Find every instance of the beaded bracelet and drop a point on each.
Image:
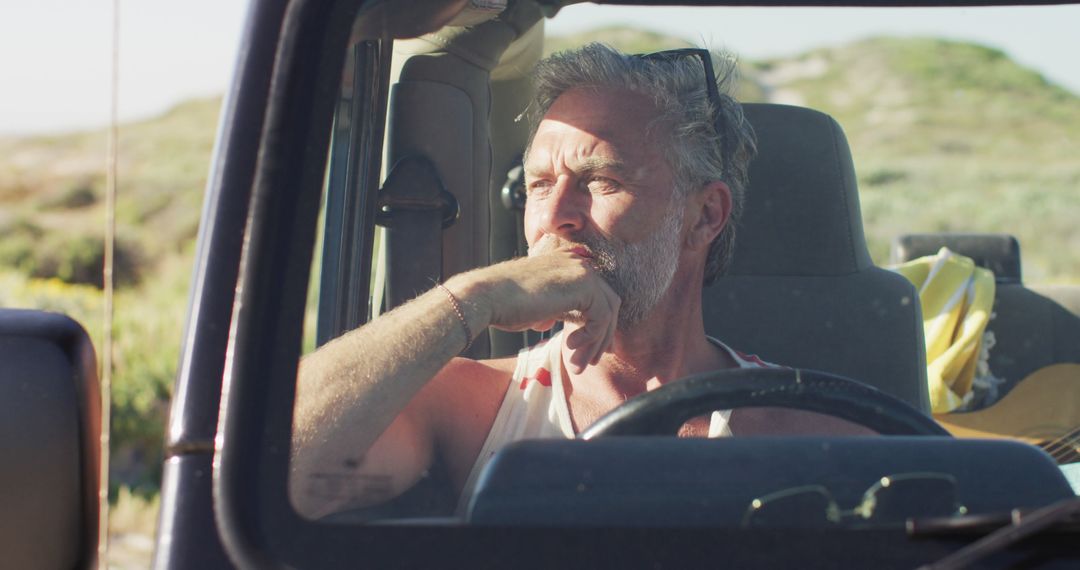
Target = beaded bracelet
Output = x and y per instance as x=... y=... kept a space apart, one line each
x=460 y=315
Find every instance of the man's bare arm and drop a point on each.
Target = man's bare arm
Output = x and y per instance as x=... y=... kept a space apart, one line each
x=359 y=437
x=343 y=406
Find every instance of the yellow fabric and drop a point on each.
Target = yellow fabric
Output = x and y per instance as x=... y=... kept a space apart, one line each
x=957 y=298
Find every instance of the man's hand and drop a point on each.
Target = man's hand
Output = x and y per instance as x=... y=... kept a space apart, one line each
x=534 y=292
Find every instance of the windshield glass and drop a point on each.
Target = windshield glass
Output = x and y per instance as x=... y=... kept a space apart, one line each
x=885 y=247
x=959 y=119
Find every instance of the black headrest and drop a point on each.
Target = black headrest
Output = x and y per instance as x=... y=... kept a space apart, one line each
x=802 y=212
x=999 y=253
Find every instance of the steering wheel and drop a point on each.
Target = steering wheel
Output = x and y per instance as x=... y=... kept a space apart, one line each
x=664 y=410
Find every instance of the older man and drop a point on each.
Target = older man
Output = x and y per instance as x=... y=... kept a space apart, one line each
x=635 y=175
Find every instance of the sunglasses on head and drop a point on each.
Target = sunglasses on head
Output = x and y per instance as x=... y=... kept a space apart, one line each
x=705 y=58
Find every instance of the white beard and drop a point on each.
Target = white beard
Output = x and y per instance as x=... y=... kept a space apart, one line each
x=639 y=272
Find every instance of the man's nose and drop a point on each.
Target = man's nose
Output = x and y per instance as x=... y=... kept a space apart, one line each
x=565 y=210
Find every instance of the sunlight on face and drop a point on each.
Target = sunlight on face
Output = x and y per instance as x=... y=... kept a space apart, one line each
x=639 y=272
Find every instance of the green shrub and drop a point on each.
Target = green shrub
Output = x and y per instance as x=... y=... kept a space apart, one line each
x=884 y=176
x=80 y=195
x=18 y=240
x=71 y=258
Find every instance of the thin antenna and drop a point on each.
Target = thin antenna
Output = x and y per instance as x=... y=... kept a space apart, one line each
x=107 y=283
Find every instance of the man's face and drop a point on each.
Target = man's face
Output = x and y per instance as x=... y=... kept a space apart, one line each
x=596 y=178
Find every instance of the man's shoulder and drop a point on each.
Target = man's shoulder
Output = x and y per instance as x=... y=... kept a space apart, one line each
x=747 y=360
x=461 y=366
x=472 y=379
x=463 y=399
x=498 y=368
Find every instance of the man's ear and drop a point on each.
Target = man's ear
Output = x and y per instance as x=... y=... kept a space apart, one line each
x=711 y=209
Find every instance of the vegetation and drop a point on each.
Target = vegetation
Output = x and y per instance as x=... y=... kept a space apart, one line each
x=947 y=137
x=952 y=137
x=51 y=253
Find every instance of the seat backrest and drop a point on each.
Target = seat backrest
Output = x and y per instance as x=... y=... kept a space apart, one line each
x=1031 y=331
x=802 y=290
x=1033 y=327
x=1067 y=296
x=50 y=422
x=999 y=253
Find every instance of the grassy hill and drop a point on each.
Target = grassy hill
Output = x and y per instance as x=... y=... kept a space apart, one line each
x=946 y=137
x=950 y=136
x=52 y=196
x=52 y=218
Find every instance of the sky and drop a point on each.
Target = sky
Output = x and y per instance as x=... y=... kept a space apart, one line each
x=56 y=54
x=56 y=57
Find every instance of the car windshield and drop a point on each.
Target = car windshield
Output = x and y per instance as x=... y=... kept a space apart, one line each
x=963 y=127
x=460 y=264
x=947 y=110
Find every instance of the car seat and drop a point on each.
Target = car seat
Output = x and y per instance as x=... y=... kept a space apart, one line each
x=802 y=290
x=1033 y=327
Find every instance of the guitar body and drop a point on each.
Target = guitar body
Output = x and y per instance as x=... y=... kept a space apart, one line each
x=1043 y=410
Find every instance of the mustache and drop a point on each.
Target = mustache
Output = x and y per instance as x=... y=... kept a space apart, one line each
x=602 y=251
x=548 y=243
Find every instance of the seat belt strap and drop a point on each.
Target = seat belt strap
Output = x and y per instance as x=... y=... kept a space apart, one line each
x=415 y=207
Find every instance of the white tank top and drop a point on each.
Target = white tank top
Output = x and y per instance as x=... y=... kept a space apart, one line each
x=535 y=406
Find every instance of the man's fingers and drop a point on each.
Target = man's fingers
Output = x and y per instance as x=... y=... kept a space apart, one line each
x=613 y=321
x=609 y=336
x=582 y=344
x=589 y=342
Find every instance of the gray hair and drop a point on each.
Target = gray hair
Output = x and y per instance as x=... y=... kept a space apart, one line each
x=697 y=153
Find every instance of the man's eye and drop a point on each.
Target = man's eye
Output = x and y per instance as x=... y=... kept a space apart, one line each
x=602 y=184
x=537 y=186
